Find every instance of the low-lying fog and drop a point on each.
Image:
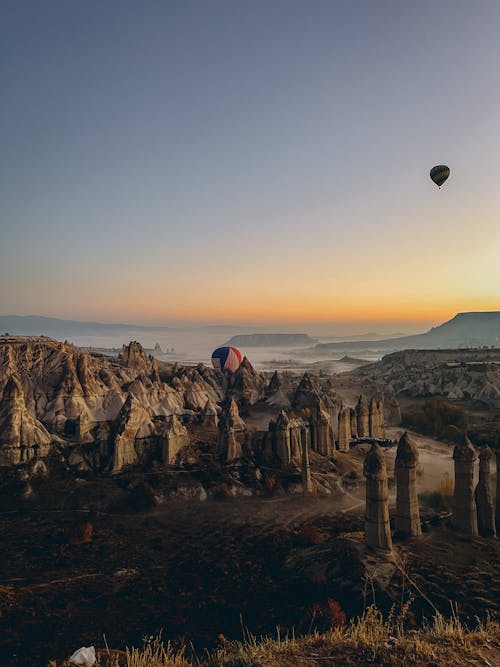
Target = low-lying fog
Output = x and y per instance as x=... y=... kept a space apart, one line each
x=191 y=346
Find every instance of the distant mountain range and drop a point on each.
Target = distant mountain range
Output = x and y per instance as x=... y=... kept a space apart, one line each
x=35 y=325
x=271 y=340
x=463 y=330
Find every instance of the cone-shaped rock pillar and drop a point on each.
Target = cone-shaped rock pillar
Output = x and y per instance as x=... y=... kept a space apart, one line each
x=497 y=513
x=407 y=514
x=465 y=515
x=354 y=423
x=363 y=415
x=344 y=428
x=377 y=527
x=231 y=432
x=484 y=494
x=307 y=484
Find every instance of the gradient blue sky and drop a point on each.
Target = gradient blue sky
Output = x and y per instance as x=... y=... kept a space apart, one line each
x=249 y=161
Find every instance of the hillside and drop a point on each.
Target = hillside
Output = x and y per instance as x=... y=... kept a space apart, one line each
x=35 y=325
x=463 y=330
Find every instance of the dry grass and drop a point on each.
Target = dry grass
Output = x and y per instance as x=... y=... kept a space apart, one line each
x=370 y=638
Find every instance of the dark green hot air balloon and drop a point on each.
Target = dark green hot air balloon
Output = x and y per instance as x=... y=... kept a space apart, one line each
x=439 y=174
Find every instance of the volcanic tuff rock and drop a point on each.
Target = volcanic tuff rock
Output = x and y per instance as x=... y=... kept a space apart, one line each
x=133 y=423
x=231 y=432
x=246 y=385
x=455 y=374
x=175 y=437
x=377 y=527
x=22 y=436
x=464 y=515
x=407 y=512
x=484 y=494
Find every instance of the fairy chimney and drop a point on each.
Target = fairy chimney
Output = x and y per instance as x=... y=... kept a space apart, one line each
x=363 y=416
x=344 y=428
x=465 y=515
x=377 y=527
x=484 y=494
x=407 y=514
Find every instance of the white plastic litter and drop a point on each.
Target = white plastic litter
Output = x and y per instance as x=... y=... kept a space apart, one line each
x=84 y=657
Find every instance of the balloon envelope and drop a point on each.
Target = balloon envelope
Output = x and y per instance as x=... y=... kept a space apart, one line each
x=439 y=174
x=226 y=358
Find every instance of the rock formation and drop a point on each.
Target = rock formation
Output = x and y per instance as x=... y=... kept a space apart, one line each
x=381 y=419
x=464 y=515
x=175 y=436
x=306 y=394
x=484 y=494
x=377 y=527
x=373 y=419
x=407 y=513
x=209 y=416
x=344 y=429
x=22 y=436
x=282 y=438
x=321 y=429
x=497 y=508
x=285 y=438
x=133 y=423
x=231 y=432
x=246 y=385
x=307 y=484
x=363 y=415
x=354 y=423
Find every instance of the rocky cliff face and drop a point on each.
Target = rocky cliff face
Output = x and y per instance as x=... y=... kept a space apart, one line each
x=22 y=436
x=74 y=393
x=454 y=374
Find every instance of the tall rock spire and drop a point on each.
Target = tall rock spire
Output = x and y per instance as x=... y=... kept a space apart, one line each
x=407 y=514
x=377 y=527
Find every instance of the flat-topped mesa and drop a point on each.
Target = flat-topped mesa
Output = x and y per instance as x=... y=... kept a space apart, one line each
x=175 y=436
x=22 y=436
x=231 y=432
x=377 y=526
x=344 y=429
x=407 y=512
x=363 y=415
x=484 y=494
x=465 y=514
x=321 y=430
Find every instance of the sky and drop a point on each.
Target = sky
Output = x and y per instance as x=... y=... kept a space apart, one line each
x=264 y=161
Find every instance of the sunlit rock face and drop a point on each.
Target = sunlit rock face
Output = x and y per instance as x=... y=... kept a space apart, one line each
x=231 y=433
x=133 y=424
x=175 y=437
x=22 y=436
